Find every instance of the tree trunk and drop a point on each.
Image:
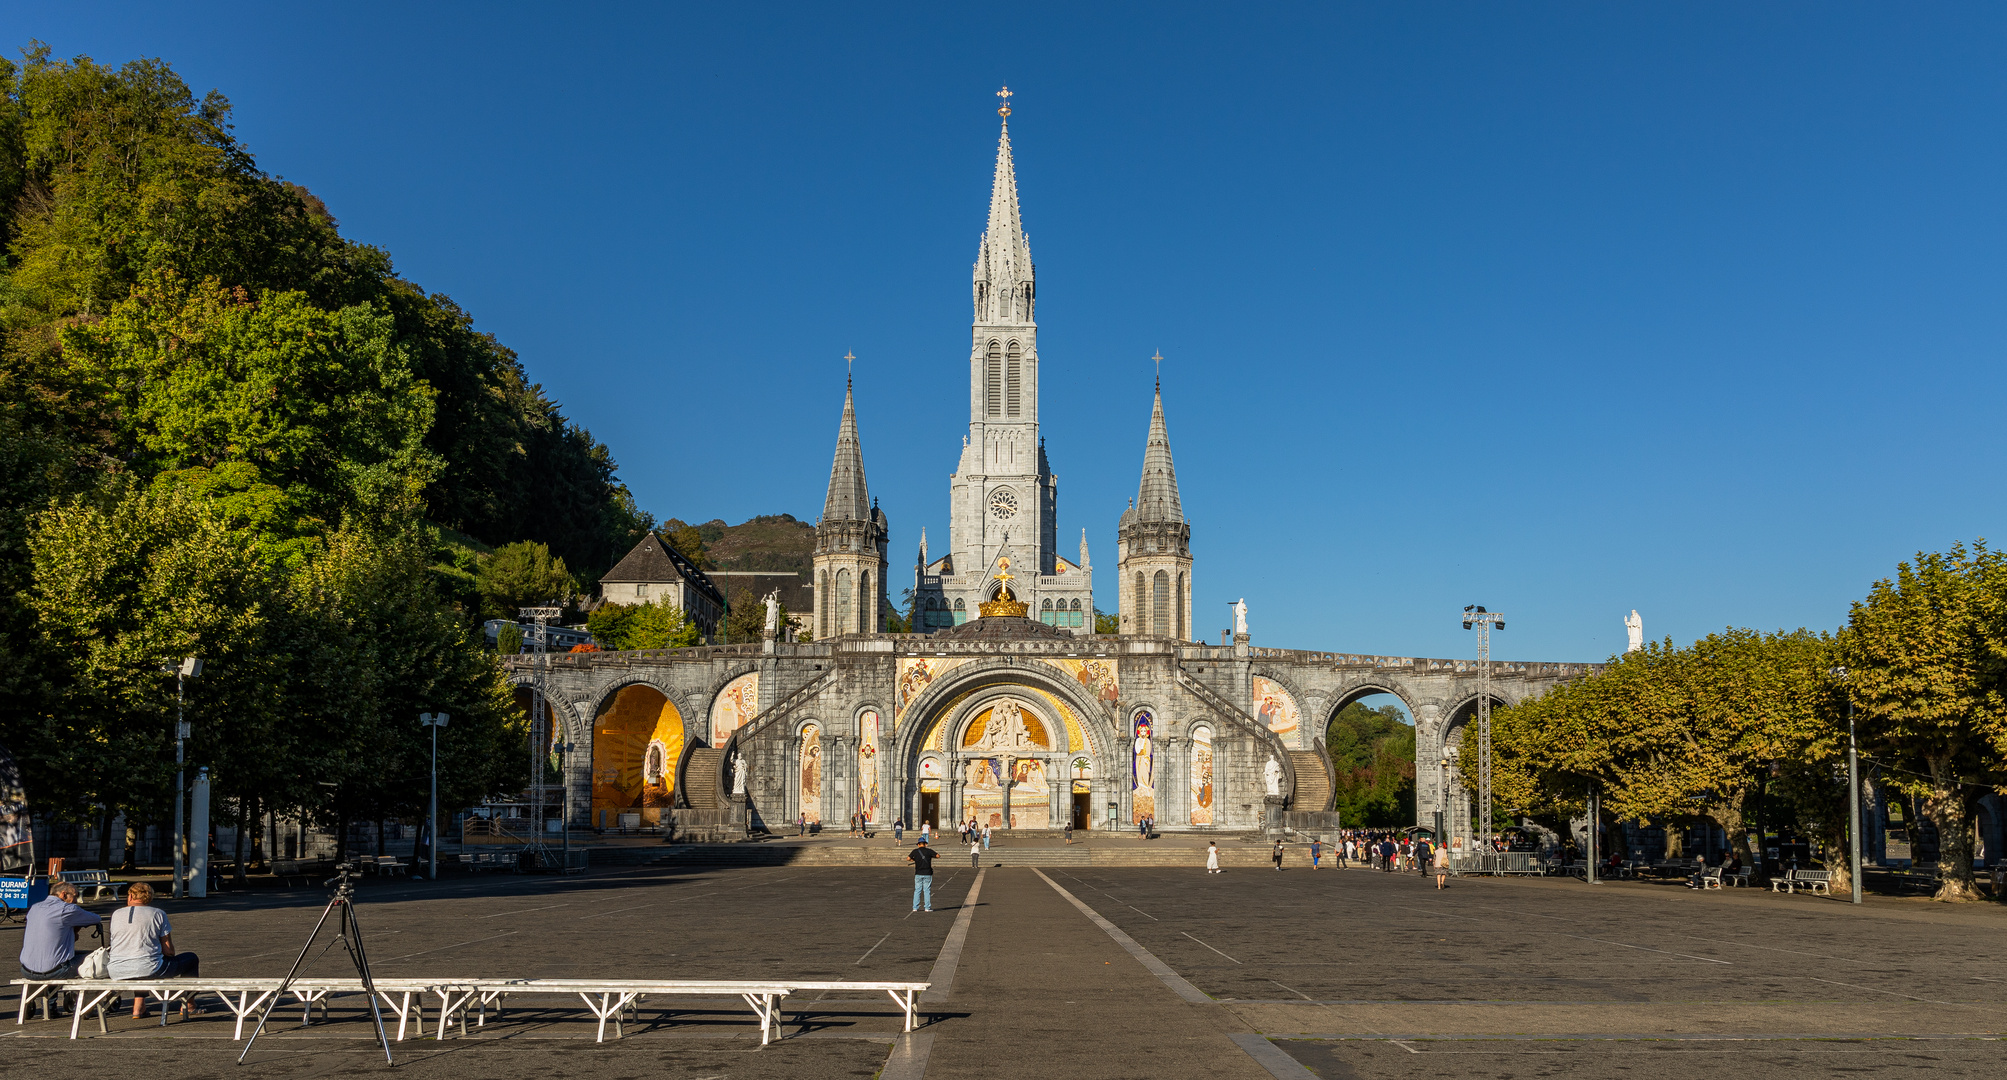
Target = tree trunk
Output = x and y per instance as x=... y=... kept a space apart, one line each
x=243 y=817
x=1948 y=807
x=1675 y=838
x=104 y=840
x=1734 y=825
x=379 y=836
x=1839 y=857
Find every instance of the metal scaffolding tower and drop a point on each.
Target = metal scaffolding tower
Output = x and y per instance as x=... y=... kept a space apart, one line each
x=1474 y=616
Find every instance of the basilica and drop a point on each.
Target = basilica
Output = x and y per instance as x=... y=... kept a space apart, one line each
x=1003 y=704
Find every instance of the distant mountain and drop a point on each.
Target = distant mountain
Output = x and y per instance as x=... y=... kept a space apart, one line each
x=767 y=542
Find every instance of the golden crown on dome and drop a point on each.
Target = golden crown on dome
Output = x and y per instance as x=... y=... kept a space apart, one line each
x=1006 y=604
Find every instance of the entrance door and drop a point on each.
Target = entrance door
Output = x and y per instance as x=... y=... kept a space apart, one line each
x=1083 y=810
x=930 y=808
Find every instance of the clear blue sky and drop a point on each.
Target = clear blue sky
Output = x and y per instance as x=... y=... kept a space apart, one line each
x=1563 y=309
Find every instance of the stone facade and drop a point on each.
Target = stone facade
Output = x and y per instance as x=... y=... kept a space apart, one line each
x=1086 y=694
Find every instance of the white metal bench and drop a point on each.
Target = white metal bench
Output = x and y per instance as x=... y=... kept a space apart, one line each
x=1710 y=878
x=1813 y=881
x=616 y=999
x=98 y=881
x=606 y=999
x=245 y=998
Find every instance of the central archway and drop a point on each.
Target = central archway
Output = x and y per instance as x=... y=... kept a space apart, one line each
x=1006 y=742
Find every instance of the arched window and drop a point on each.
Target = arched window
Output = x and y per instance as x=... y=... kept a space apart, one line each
x=961 y=612
x=1137 y=601
x=827 y=596
x=1160 y=604
x=1045 y=612
x=866 y=611
x=993 y=387
x=1178 y=606
x=1076 y=615
x=1011 y=370
x=843 y=624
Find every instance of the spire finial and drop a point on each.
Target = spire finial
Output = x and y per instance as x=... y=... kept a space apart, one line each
x=1004 y=109
x=1159 y=358
x=848 y=361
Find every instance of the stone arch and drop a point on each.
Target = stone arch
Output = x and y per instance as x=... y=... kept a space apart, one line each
x=636 y=739
x=1292 y=736
x=954 y=699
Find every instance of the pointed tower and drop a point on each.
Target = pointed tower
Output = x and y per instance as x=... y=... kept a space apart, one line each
x=1154 y=544
x=1003 y=490
x=850 y=542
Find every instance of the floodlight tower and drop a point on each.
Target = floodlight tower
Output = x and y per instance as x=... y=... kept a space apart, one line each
x=1475 y=616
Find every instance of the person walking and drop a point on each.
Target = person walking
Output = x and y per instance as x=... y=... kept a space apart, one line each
x=1341 y=852
x=986 y=838
x=1442 y=867
x=801 y=825
x=1316 y=850
x=922 y=858
x=926 y=830
x=1277 y=856
x=1212 y=858
x=1387 y=856
x=975 y=852
x=898 y=829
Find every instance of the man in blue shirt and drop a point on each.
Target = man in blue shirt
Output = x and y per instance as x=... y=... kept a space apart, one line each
x=48 y=946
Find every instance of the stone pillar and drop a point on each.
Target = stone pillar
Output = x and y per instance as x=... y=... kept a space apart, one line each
x=1056 y=775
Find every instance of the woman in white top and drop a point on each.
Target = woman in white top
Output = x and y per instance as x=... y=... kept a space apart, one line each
x=1212 y=858
x=142 y=948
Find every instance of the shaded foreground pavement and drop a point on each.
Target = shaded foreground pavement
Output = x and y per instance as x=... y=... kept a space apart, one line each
x=1118 y=972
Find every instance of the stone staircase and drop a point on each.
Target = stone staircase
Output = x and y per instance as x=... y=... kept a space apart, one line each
x=1233 y=853
x=700 y=778
x=1313 y=780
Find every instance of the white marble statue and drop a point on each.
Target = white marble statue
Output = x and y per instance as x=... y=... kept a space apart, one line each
x=1271 y=774
x=1636 y=628
x=773 y=612
x=738 y=773
x=1240 y=617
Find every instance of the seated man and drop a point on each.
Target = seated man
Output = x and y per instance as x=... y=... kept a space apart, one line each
x=142 y=949
x=48 y=945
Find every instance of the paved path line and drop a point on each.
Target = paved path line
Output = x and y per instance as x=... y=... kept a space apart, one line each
x=1271 y=1057
x=1157 y=967
x=908 y=1060
x=943 y=975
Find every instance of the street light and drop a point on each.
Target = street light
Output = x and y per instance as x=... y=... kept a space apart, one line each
x=1484 y=621
x=1853 y=789
x=189 y=668
x=435 y=721
x=564 y=750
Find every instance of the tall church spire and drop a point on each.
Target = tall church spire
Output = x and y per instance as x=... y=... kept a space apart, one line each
x=848 y=498
x=1157 y=495
x=1003 y=272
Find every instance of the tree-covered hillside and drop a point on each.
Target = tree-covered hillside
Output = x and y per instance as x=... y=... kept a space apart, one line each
x=228 y=432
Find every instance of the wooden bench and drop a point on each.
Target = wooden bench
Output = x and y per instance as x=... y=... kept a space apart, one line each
x=1814 y=881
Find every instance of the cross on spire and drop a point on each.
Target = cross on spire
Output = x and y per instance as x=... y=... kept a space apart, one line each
x=1159 y=359
x=848 y=360
x=1004 y=110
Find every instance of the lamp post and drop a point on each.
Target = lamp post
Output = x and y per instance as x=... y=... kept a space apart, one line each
x=1853 y=791
x=189 y=668
x=435 y=721
x=564 y=813
x=1442 y=798
x=1475 y=616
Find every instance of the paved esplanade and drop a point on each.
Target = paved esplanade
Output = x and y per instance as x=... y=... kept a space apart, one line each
x=1132 y=972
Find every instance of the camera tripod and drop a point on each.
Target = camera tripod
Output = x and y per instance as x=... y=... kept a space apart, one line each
x=347 y=931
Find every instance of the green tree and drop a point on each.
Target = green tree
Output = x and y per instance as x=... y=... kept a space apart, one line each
x=689 y=543
x=1105 y=623
x=1927 y=659
x=520 y=575
x=1373 y=757
x=125 y=582
x=657 y=625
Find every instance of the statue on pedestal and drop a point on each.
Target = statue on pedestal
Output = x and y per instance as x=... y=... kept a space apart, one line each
x=738 y=773
x=773 y=613
x=1636 y=628
x=1271 y=774
x=1240 y=617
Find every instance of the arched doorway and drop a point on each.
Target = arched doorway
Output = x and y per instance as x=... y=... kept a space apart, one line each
x=637 y=737
x=1370 y=737
x=1459 y=766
